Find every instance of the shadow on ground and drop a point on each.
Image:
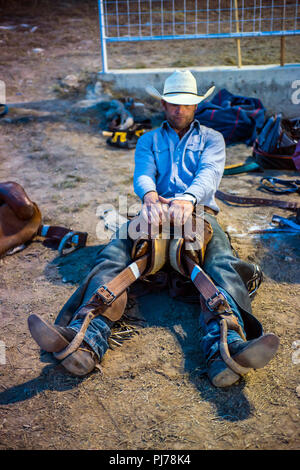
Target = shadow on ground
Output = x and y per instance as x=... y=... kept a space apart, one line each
x=157 y=309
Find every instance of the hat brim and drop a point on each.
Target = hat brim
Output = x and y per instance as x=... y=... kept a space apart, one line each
x=179 y=98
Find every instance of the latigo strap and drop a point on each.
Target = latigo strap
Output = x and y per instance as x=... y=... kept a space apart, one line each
x=256 y=201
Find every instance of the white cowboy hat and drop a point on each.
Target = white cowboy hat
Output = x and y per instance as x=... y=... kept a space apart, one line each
x=180 y=88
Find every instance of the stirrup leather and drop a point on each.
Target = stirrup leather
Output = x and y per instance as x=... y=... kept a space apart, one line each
x=214 y=306
x=103 y=298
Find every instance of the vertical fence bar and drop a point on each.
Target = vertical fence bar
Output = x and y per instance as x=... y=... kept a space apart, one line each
x=271 y=27
x=117 y=18
x=238 y=40
x=173 y=17
x=254 y=15
x=260 y=6
x=243 y=19
x=102 y=36
x=282 y=38
x=140 y=18
x=162 y=16
x=207 y=17
x=128 y=17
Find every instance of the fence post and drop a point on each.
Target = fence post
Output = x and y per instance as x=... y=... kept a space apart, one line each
x=282 y=38
x=102 y=36
x=238 y=41
x=282 y=51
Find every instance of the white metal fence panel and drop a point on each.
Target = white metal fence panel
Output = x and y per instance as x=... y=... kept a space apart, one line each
x=146 y=20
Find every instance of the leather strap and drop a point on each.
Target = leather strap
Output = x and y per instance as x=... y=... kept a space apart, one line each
x=218 y=308
x=63 y=235
x=103 y=298
x=289 y=205
x=214 y=299
x=109 y=292
x=293 y=206
x=257 y=201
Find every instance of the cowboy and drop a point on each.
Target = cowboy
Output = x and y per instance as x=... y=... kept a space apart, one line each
x=178 y=167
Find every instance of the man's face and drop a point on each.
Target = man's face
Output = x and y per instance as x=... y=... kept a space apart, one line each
x=179 y=116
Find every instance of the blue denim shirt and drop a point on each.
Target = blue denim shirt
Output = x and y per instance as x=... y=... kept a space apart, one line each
x=170 y=166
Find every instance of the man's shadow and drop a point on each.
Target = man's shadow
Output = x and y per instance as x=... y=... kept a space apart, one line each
x=155 y=309
x=181 y=319
x=50 y=378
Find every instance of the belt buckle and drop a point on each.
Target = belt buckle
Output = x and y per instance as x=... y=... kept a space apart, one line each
x=214 y=301
x=106 y=295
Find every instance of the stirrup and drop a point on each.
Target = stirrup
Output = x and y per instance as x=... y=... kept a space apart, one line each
x=225 y=353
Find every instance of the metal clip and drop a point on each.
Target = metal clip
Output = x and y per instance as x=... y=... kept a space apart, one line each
x=214 y=301
x=107 y=296
x=70 y=240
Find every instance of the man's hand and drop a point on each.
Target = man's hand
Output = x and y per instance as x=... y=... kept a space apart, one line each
x=152 y=210
x=179 y=210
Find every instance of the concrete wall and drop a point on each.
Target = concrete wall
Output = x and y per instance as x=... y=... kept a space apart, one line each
x=277 y=87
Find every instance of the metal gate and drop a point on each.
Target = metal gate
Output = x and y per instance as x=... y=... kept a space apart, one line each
x=153 y=20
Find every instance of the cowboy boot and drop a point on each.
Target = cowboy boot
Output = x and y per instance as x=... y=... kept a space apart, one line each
x=253 y=354
x=54 y=338
x=237 y=357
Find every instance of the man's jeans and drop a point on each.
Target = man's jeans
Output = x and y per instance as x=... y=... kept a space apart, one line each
x=220 y=263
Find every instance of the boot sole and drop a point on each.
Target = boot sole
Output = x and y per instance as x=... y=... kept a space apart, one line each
x=45 y=335
x=259 y=352
x=254 y=356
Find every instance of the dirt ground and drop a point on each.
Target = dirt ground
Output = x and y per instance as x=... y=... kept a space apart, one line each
x=152 y=392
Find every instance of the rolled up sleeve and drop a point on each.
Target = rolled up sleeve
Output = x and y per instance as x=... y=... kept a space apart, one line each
x=210 y=168
x=144 y=178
